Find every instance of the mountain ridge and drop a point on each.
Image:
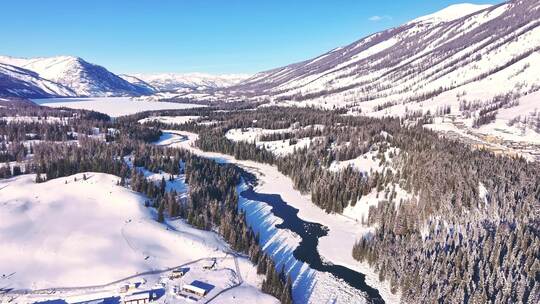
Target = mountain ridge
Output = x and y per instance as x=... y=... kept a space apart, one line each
x=75 y=77
x=81 y=77
x=418 y=66
x=16 y=81
x=190 y=81
x=452 y=12
x=421 y=65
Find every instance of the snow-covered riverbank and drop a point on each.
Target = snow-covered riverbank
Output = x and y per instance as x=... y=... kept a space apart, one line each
x=336 y=247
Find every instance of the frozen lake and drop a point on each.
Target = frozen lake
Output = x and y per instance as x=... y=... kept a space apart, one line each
x=113 y=106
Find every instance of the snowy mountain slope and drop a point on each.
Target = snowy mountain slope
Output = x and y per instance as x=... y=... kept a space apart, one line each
x=138 y=82
x=190 y=81
x=452 y=12
x=97 y=229
x=84 y=78
x=474 y=52
x=15 y=81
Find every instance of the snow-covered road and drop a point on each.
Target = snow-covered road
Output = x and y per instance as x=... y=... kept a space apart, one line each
x=52 y=290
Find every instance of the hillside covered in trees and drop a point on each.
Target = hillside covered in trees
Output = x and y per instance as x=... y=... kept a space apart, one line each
x=60 y=143
x=449 y=223
x=468 y=230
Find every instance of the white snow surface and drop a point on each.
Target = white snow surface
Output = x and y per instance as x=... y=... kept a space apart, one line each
x=30 y=119
x=86 y=232
x=113 y=106
x=67 y=233
x=365 y=163
x=284 y=147
x=527 y=104
x=47 y=86
x=452 y=12
x=251 y=135
x=482 y=192
x=277 y=147
x=79 y=76
x=47 y=67
x=360 y=211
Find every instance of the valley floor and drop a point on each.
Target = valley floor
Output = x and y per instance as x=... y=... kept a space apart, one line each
x=336 y=247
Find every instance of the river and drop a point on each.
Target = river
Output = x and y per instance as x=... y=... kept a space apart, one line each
x=309 y=232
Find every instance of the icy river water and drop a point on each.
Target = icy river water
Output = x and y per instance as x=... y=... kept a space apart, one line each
x=310 y=233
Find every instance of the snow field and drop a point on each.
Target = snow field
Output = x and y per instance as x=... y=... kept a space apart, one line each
x=67 y=233
x=60 y=232
x=112 y=106
x=284 y=147
x=277 y=147
x=193 y=81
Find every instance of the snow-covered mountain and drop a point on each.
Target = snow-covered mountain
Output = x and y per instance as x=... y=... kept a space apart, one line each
x=450 y=13
x=462 y=54
x=19 y=82
x=68 y=76
x=81 y=77
x=139 y=83
x=190 y=81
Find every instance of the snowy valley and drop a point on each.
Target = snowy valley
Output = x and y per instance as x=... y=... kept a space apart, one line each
x=400 y=168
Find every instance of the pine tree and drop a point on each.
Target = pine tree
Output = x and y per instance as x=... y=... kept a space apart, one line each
x=161 y=215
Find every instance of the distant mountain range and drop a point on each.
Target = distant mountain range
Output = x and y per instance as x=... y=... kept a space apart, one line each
x=464 y=54
x=67 y=76
x=191 y=81
x=64 y=76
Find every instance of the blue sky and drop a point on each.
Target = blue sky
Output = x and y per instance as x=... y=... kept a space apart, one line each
x=215 y=36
